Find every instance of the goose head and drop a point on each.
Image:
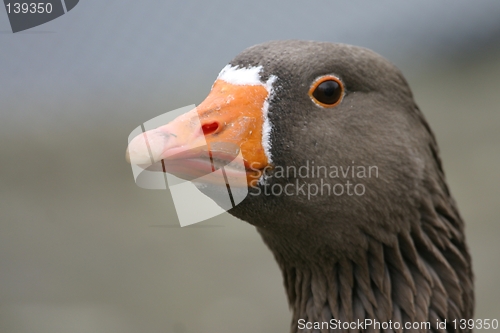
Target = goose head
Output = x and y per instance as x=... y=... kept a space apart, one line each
x=345 y=182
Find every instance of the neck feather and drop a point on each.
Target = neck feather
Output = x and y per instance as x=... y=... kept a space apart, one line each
x=421 y=274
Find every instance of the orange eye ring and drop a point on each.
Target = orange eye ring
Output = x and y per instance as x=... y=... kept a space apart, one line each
x=327 y=91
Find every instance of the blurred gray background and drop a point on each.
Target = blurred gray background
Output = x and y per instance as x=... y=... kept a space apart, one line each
x=83 y=249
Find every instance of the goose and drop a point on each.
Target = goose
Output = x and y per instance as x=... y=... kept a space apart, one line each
x=367 y=231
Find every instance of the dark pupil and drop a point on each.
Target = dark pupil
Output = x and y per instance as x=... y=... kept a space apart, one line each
x=328 y=92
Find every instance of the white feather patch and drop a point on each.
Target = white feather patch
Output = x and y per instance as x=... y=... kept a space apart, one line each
x=267 y=125
x=240 y=76
x=251 y=76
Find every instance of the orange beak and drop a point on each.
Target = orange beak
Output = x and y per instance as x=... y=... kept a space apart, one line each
x=211 y=136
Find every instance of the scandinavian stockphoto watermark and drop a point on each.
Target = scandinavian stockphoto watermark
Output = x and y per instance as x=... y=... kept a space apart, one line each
x=311 y=180
x=24 y=15
x=203 y=186
x=375 y=325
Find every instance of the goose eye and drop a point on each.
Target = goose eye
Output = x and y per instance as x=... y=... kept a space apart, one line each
x=327 y=91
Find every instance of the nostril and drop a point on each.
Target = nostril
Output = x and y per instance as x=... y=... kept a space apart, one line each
x=210 y=128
